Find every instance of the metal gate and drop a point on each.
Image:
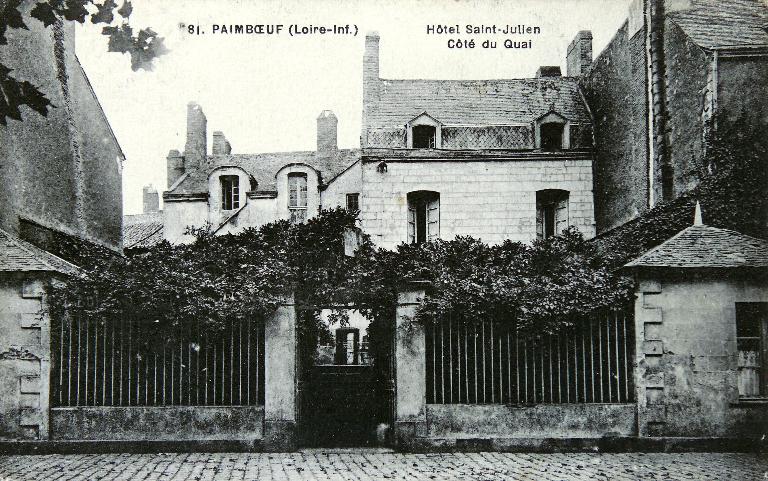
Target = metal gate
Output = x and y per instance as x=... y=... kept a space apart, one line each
x=349 y=401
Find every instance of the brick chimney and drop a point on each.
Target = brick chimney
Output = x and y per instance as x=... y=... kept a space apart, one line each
x=196 y=148
x=150 y=198
x=548 y=71
x=220 y=145
x=175 y=166
x=579 y=54
x=326 y=133
x=371 y=84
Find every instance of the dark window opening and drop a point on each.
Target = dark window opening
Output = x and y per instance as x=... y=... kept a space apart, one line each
x=552 y=136
x=752 y=347
x=424 y=136
x=423 y=216
x=347 y=346
x=297 y=197
x=551 y=212
x=353 y=202
x=230 y=192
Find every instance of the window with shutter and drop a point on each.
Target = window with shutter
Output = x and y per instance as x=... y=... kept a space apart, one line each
x=752 y=347
x=230 y=192
x=551 y=212
x=423 y=216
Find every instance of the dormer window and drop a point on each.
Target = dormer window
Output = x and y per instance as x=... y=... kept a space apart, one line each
x=552 y=136
x=230 y=192
x=552 y=132
x=424 y=136
x=423 y=132
x=297 y=197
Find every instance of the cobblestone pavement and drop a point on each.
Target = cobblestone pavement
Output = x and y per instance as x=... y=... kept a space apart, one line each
x=322 y=465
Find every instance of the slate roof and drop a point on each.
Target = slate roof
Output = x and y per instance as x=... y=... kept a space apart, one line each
x=476 y=102
x=721 y=23
x=702 y=246
x=17 y=255
x=142 y=230
x=264 y=167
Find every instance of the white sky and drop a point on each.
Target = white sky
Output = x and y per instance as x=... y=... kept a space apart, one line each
x=265 y=92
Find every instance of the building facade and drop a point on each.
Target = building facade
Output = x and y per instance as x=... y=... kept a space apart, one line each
x=654 y=90
x=494 y=159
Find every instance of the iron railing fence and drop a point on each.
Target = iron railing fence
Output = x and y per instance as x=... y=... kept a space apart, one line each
x=118 y=363
x=489 y=362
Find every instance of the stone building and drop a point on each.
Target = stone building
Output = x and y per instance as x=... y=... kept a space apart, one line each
x=142 y=231
x=495 y=159
x=230 y=191
x=60 y=183
x=654 y=89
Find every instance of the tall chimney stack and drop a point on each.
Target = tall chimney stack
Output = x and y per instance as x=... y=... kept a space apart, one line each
x=327 y=133
x=371 y=82
x=579 y=54
x=220 y=145
x=196 y=148
x=175 y=166
x=150 y=198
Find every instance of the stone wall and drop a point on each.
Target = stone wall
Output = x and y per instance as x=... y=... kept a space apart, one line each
x=24 y=357
x=686 y=374
x=743 y=87
x=177 y=216
x=615 y=89
x=491 y=200
x=62 y=171
x=687 y=73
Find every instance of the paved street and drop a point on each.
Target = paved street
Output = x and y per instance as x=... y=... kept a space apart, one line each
x=370 y=465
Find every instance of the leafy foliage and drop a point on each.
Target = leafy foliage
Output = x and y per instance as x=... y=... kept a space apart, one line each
x=219 y=278
x=734 y=180
x=142 y=47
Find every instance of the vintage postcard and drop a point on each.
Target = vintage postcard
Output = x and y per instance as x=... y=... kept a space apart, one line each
x=340 y=239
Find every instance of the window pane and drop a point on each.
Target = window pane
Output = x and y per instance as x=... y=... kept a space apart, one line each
x=353 y=202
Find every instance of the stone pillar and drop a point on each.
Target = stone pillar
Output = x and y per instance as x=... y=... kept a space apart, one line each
x=280 y=378
x=649 y=370
x=410 y=369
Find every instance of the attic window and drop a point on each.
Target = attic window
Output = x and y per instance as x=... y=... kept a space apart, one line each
x=424 y=136
x=297 y=197
x=230 y=192
x=552 y=136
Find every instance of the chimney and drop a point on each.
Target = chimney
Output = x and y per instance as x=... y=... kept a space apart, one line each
x=220 y=145
x=579 y=54
x=548 y=71
x=326 y=132
x=175 y=166
x=196 y=148
x=370 y=75
x=150 y=198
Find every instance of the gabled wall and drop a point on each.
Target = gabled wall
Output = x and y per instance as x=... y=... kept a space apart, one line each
x=64 y=170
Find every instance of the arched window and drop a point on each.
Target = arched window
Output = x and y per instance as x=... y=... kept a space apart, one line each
x=297 y=196
x=423 y=216
x=551 y=212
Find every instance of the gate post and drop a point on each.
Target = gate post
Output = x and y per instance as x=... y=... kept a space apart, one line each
x=280 y=378
x=410 y=368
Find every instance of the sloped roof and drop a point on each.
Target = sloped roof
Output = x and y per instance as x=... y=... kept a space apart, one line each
x=721 y=23
x=17 y=255
x=476 y=102
x=264 y=167
x=142 y=230
x=702 y=246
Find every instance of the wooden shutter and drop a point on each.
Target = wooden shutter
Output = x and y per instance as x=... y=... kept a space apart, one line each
x=539 y=220
x=411 y=224
x=433 y=219
x=561 y=215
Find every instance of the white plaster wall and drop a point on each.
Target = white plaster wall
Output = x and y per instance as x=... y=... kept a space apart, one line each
x=178 y=215
x=349 y=182
x=215 y=213
x=491 y=200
